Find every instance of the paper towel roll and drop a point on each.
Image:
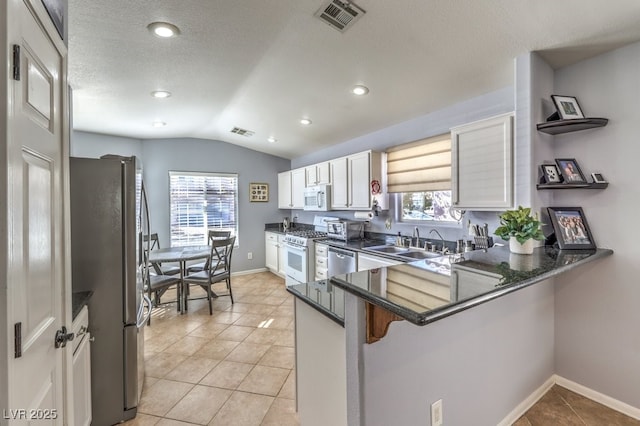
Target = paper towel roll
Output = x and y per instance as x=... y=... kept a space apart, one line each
x=363 y=215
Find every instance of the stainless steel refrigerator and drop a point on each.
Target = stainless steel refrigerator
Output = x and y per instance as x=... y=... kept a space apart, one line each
x=108 y=221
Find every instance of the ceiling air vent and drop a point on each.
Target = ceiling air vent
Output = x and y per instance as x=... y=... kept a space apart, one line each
x=242 y=132
x=341 y=15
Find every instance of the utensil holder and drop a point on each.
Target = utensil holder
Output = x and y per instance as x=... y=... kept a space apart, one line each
x=483 y=242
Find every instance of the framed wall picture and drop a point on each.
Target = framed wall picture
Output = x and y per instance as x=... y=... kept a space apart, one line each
x=571 y=228
x=550 y=173
x=567 y=107
x=570 y=170
x=258 y=192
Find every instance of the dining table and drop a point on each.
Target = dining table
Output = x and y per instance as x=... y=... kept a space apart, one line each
x=180 y=255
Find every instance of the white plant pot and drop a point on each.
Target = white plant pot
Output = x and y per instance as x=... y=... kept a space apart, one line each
x=516 y=247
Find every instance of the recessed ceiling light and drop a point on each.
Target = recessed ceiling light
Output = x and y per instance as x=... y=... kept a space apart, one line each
x=305 y=121
x=272 y=139
x=163 y=29
x=160 y=94
x=360 y=90
x=159 y=123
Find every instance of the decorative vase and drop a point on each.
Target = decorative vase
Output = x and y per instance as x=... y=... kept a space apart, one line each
x=516 y=247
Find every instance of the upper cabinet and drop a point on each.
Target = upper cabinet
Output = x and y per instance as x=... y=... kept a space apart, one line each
x=351 y=180
x=482 y=164
x=291 y=186
x=318 y=174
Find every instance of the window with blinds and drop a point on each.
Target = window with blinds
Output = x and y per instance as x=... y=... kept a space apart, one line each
x=200 y=202
x=420 y=173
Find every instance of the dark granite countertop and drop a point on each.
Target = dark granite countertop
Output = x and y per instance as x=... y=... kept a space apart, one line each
x=322 y=296
x=428 y=290
x=78 y=300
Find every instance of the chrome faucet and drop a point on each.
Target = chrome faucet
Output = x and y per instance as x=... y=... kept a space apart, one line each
x=416 y=236
x=444 y=247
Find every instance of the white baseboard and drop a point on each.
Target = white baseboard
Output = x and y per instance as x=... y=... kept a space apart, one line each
x=522 y=408
x=605 y=400
x=249 y=271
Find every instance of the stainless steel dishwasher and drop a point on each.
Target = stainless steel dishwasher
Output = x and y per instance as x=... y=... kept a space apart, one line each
x=341 y=261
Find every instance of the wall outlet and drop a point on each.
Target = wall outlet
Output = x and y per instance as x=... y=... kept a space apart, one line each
x=436 y=413
x=250 y=255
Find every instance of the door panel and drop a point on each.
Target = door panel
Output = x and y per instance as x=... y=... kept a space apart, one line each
x=35 y=259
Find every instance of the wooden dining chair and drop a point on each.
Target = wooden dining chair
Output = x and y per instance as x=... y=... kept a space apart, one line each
x=158 y=268
x=218 y=270
x=212 y=235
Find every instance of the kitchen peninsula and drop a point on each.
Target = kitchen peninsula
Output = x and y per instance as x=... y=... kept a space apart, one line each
x=464 y=351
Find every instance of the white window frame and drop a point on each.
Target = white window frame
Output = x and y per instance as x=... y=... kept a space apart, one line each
x=190 y=235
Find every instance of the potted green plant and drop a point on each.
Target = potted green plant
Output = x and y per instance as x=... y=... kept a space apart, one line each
x=520 y=229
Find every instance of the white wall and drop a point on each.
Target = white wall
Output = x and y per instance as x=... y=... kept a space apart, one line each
x=163 y=155
x=597 y=312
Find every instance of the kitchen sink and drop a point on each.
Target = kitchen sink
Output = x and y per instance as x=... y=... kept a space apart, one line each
x=388 y=249
x=420 y=254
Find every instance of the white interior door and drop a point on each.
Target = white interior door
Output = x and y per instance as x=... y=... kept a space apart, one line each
x=36 y=251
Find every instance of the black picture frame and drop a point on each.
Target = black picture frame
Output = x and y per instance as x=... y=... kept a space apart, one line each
x=570 y=170
x=571 y=228
x=567 y=107
x=550 y=173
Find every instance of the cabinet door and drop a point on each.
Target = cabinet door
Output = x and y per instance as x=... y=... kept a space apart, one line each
x=466 y=283
x=366 y=262
x=359 y=180
x=482 y=164
x=311 y=175
x=282 y=256
x=297 y=188
x=322 y=173
x=271 y=251
x=284 y=190
x=82 y=383
x=339 y=192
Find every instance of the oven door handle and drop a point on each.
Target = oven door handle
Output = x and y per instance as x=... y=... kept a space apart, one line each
x=292 y=246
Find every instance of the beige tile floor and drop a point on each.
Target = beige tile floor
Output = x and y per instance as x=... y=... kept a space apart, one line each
x=236 y=367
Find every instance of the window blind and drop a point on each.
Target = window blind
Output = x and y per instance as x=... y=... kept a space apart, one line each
x=424 y=165
x=200 y=202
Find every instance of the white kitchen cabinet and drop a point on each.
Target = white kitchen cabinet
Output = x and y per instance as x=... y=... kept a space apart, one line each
x=467 y=283
x=291 y=186
x=351 y=178
x=369 y=261
x=81 y=369
x=275 y=252
x=321 y=261
x=317 y=174
x=482 y=164
x=271 y=251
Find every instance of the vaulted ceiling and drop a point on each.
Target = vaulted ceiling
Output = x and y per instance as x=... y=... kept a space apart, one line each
x=263 y=65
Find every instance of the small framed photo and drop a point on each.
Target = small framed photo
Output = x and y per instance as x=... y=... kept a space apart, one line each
x=258 y=192
x=571 y=228
x=567 y=107
x=570 y=170
x=598 y=178
x=550 y=173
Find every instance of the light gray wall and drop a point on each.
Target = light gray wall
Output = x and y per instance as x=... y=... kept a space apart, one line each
x=597 y=314
x=481 y=362
x=163 y=155
x=436 y=123
x=95 y=145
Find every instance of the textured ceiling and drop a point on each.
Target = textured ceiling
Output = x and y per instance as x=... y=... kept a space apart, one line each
x=263 y=65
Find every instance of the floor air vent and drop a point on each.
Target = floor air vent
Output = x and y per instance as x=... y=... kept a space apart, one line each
x=341 y=15
x=242 y=132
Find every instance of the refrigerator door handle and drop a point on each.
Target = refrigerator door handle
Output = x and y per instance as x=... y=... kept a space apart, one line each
x=143 y=316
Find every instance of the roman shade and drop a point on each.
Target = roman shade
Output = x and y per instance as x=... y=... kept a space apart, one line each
x=424 y=165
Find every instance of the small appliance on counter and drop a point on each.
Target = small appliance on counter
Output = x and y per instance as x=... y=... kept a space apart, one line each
x=345 y=230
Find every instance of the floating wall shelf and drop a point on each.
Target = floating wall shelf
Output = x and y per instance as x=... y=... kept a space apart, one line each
x=557 y=127
x=572 y=185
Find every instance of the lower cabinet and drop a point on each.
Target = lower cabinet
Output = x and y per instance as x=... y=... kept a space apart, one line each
x=368 y=261
x=81 y=369
x=321 y=368
x=275 y=253
x=467 y=283
x=321 y=261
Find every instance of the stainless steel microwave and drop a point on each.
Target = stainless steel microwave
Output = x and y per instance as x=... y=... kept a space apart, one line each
x=345 y=230
x=317 y=198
